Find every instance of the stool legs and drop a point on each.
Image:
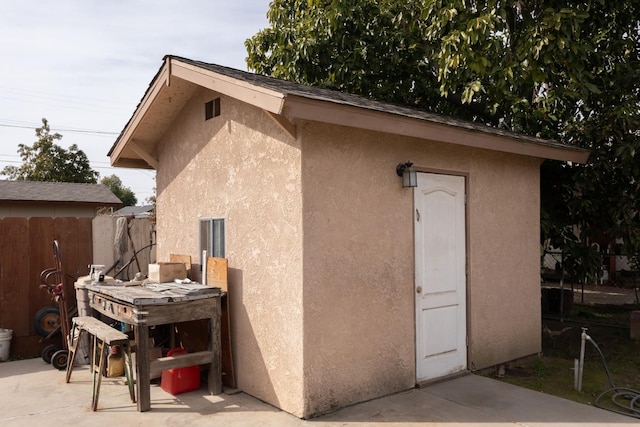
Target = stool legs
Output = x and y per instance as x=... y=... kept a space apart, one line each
x=100 y=351
x=128 y=371
x=73 y=346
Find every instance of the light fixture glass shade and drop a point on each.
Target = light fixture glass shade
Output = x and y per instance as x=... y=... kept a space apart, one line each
x=409 y=177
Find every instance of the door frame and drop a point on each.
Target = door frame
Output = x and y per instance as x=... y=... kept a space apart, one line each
x=469 y=339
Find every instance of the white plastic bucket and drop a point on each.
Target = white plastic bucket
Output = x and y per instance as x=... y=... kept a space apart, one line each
x=5 y=343
x=82 y=296
x=83 y=352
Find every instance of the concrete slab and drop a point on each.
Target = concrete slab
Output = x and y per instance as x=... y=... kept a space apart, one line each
x=32 y=393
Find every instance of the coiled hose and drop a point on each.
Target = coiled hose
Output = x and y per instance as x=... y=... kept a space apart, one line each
x=625 y=398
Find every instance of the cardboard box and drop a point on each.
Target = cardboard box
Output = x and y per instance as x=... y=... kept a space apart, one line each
x=164 y=272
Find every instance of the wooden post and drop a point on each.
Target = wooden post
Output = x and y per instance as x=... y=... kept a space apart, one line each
x=215 y=371
x=143 y=379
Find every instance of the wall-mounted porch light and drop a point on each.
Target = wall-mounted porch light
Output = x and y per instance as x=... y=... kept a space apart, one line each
x=408 y=174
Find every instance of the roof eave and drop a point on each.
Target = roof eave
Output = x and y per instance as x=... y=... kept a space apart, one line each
x=161 y=79
x=266 y=99
x=285 y=108
x=346 y=115
x=64 y=202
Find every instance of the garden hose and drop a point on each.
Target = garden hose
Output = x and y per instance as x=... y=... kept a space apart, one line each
x=625 y=398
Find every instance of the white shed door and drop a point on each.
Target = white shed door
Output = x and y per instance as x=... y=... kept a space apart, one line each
x=440 y=287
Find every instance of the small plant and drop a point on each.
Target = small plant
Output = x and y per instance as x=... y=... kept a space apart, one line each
x=539 y=368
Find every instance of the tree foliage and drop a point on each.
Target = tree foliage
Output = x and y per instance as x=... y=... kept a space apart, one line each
x=47 y=161
x=552 y=69
x=125 y=194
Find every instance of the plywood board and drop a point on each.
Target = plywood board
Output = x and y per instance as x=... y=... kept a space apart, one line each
x=217 y=269
x=217 y=273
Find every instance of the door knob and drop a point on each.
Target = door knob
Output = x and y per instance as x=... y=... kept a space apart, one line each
x=419 y=289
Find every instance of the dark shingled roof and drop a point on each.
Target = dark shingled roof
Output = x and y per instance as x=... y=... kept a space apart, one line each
x=334 y=96
x=57 y=192
x=288 y=88
x=134 y=211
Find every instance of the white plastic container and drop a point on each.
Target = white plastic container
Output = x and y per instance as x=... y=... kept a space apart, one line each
x=5 y=343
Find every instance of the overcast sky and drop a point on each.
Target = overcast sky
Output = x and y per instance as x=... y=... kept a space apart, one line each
x=85 y=64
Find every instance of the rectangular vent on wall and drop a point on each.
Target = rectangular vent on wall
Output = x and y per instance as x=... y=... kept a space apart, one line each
x=212 y=109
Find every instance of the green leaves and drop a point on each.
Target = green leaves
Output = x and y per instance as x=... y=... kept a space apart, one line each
x=125 y=194
x=47 y=161
x=564 y=71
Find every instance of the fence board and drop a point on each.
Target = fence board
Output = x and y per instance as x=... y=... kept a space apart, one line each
x=40 y=257
x=26 y=248
x=14 y=275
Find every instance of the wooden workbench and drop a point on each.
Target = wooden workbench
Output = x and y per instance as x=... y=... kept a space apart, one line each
x=159 y=304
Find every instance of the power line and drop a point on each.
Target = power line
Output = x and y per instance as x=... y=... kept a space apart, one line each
x=64 y=101
x=60 y=129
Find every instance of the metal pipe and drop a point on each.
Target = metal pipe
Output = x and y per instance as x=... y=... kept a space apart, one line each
x=583 y=339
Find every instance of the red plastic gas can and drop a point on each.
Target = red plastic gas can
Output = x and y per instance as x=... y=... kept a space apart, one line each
x=180 y=380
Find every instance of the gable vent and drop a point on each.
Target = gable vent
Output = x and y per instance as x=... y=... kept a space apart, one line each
x=212 y=109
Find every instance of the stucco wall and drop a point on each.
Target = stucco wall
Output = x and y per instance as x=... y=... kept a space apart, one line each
x=319 y=238
x=358 y=257
x=229 y=167
x=358 y=252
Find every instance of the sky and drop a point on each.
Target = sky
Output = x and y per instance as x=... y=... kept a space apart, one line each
x=84 y=65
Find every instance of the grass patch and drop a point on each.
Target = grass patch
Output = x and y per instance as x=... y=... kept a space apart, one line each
x=552 y=372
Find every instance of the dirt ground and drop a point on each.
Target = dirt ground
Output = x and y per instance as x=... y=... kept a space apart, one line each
x=552 y=371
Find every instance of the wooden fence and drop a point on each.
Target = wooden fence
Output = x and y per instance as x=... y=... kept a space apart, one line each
x=26 y=248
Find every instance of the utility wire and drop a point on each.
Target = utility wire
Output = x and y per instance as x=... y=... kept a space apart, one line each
x=69 y=130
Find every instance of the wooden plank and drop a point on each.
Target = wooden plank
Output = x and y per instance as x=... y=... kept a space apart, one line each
x=143 y=378
x=101 y=330
x=153 y=314
x=180 y=361
x=65 y=231
x=215 y=343
x=156 y=294
x=14 y=275
x=217 y=275
x=84 y=243
x=40 y=258
x=84 y=257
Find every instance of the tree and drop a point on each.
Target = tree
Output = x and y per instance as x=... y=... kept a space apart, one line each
x=47 y=161
x=126 y=196
x=564 y=71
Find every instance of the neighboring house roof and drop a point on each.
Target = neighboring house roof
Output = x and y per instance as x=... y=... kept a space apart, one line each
x=57 y=192
x=136 y=211
x=284 y=102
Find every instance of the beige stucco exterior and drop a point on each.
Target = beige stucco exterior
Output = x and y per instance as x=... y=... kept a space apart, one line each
x=359 y=271
x=319 y=238
x=232 y=168
x=319 y=232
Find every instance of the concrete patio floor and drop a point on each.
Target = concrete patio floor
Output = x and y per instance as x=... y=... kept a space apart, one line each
x=33 y=393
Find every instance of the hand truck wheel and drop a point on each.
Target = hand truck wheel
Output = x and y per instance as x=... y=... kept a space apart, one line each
x=59 y=360
x=47 y=321
x=48 y=352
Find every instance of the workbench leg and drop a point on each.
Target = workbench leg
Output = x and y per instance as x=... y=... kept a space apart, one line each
x=143 y=380
x=215 y=370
